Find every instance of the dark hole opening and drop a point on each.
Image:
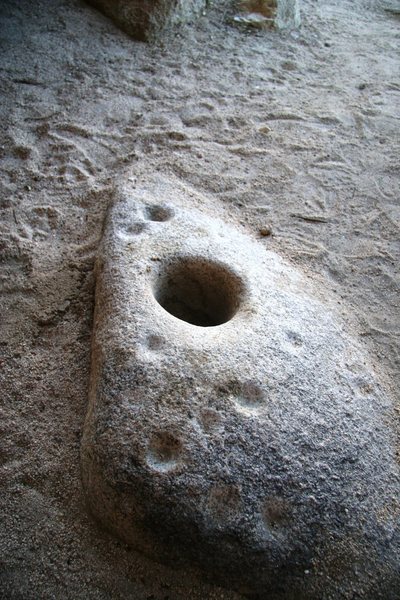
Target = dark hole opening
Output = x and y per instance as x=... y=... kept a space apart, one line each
x=199 y=291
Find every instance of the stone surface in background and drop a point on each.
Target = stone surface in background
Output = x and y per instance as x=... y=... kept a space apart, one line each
x=145 y=19
x=233 y=424
x=282 y=14
x=288 y=14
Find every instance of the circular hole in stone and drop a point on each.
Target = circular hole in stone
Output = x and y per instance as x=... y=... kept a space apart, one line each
x=251 y=395
x=164 y=451
x=159 y=212
x=199 y=291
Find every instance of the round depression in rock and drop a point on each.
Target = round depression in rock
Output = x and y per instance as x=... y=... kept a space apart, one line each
x=199 y=291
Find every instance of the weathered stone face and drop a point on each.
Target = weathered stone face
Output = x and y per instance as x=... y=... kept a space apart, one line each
x=282 y=14
x=288 y=14
x=233 y=424
x=144 y=19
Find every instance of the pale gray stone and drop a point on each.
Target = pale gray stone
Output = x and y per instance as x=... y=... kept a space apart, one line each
x=233 y=423
x=288 y=14
x=282 y=14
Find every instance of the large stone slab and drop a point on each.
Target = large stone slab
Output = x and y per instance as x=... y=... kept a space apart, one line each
x=145 y=19
x=233 y=424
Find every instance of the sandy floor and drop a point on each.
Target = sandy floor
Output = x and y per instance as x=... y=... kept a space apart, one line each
x=298 y=133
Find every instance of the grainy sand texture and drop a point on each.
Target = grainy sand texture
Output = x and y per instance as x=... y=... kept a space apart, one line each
x=294 y=135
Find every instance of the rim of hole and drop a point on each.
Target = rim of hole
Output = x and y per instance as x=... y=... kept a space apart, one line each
x=199 y=291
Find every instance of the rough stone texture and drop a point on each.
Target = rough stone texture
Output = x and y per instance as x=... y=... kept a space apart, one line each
x=283 y=14
x=144 y=19
x=246 y=434
x=288 y=14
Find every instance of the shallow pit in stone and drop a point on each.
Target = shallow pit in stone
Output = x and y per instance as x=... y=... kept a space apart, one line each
x=164 y=452
x=159 y=212
x=251 y=395
x=199 y=291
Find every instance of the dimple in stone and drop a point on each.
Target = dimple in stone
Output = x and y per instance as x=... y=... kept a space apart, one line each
x=136 y=228
x=155 y=342
x=251 y=396
x=294 y=338
x=210 y=420
x=159 y=212
x=224 y=502
x=164 y=452
x=276 y=514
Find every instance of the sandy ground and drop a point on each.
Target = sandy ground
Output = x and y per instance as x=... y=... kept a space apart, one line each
x=295 y=132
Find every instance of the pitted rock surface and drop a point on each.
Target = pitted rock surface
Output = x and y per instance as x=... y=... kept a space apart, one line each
x=233 y=423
